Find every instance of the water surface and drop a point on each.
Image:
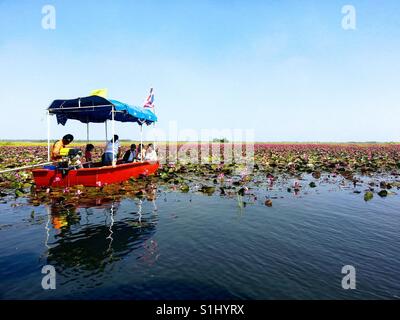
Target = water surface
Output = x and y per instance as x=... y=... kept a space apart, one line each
x=195 y=246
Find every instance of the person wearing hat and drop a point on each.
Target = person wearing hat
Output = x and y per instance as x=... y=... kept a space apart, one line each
x=60 y=144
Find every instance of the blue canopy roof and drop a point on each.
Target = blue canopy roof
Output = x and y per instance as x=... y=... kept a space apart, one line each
x=97 y=109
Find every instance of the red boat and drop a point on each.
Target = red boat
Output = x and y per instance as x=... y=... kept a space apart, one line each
x=95 y=109
x=93 y=177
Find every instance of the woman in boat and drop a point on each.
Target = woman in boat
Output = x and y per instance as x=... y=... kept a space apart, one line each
x=130 y=155
x=141 y=154
x=111 y=153
x=151 y=154
x=60 y=144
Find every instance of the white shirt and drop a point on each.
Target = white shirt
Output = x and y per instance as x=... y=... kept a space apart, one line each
x=151 y=156
x=109 y=147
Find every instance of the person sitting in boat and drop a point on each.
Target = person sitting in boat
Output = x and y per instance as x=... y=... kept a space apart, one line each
x=88 y=152
x=130 y=155
x=60 y=144
x=141 y=153
x=151 y=154
x=111 y=153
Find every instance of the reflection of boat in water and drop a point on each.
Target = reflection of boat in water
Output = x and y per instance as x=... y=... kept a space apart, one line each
x=95 y=109
x=90 y=235
x=94 y=246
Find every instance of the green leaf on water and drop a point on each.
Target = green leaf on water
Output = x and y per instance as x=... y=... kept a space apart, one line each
x=19 y=193
x=184 y=188
x=164 y=176
x=207 y=189
x=383 y=193
x=368 y=196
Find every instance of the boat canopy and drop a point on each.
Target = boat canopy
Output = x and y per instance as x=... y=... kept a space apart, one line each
x=97 y=109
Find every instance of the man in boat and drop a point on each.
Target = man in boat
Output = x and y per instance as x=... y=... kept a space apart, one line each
x=151 y=154
x=111 y=153
x=130 y=155
x=60 y=144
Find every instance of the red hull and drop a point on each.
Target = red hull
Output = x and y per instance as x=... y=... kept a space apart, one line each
x=94 y=177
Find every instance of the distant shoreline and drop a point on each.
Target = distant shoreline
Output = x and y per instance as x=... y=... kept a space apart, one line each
x=27 y=142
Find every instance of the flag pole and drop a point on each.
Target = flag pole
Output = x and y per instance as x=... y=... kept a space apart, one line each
x=154 y=129
x=113 y=134
x=141 y=142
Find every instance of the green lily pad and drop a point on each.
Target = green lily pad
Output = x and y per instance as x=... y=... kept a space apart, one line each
x=184 y=188
x=368 y=196
x=19 y=193
x=383 y=193
x=207 y=189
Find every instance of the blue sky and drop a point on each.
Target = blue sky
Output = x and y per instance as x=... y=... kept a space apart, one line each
x=286 y=69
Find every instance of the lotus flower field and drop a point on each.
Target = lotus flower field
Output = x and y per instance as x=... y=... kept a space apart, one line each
x=368 y=169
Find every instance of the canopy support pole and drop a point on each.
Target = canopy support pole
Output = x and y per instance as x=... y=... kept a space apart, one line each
x=141 y=142
x=48 y=135
x=105 y=124
x=113 y=133
x=87 y=132
x=154 y=132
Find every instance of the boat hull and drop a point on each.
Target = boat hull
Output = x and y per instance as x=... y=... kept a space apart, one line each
x=93 y=177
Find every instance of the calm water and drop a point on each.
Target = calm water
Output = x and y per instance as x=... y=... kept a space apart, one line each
x=194 y=246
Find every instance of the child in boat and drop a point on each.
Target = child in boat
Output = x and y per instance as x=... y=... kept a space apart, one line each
x=88 y=152
x=151 y=154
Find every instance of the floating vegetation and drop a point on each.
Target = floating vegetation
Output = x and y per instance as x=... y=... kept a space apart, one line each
x=368 y=196
x=274 y=166
x=383 y=193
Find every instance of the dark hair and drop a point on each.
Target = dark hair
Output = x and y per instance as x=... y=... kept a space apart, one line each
x=150 y=145
x=116 y=138
x=141 y=146
x=89 y=147
x=133 y=146
x=68 y=137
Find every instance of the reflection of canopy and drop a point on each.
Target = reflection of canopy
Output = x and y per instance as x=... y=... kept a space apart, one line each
x=97 y=109
x=88 y=249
